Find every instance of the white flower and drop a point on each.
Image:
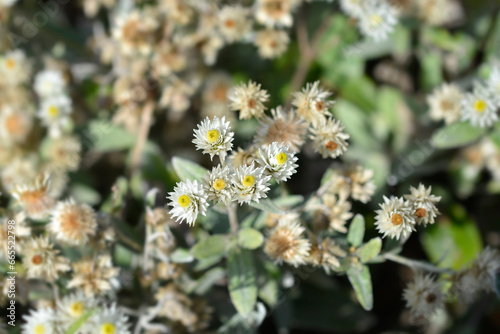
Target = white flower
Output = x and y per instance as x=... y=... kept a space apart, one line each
x=424 y=296
x=109 y=320
x=49 y=83
x=71 y=307
x=55 y=114
x=248 y=99
x=312 y=103
x=214 y=137
x=275 y=12
x=250 y=183
x=234 y=23
x=479 y=107
x=15 y=125
x=352 y=8
x=271 y=43
x=73 y=223
x=14 y=68
x=278 y=160
x=423 y=204
x=188 y=200
x=135 y=32
x=328 y=138
x=7 y=3
x=395 y=219
x=39 y=321
x=362 y=186
x=217 y=185
x=445 y=103
x=41 y=259
x=377 y=20
x=438 y=13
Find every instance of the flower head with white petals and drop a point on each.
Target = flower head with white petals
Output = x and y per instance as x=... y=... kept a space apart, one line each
x=217 y=185
x=71 y=307
x=49 y=83
x=214 y=137
x=424 y=296
x=39 y=321
x=480 y=107
x=110 y=320
x=378 y=19
x=278 y=160
x=329 y=140
x=395 y=219
x=187 y=201
x=250 y=183
x=445 y=104
x=312 y=103
x=55 y=113
x=249 y=99
x=423 y=204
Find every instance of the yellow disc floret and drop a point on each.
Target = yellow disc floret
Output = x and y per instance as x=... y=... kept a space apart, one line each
x=219 y=184
x=77 y=309
x=108 y=328
x=39 y=329
x=376 y=20
x=281 y=158
x=10 y=64
x=53 y=111
x=213 y=135
x=480 y=106
x=184 y=201
x=248 y=181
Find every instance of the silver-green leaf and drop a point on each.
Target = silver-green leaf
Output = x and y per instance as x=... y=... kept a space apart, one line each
x=369 y=250
x=242 y=281
x=361 y=281
x=456 y=135
x=212 y=246
x=356 y=231
x=186 y=169
x=250 y=238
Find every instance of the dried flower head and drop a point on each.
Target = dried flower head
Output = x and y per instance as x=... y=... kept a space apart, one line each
x=271 y=43
x=312 y=103
x=35 y=197
x=15 y=125
x=135 y=32
x=424 y=296
x=64 y=152
x=94 y=277
x=395 y=219
x=249 y=99
x=73 y=223
x=14 y=68
x=362 y=186
x=328 y=137
x=423 y=204
x=41 y=259
x=234 y=23
x=445 y=103
x=275 y=12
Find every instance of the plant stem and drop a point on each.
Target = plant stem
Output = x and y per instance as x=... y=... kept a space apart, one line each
x=233 y=219
x=416 y=264
x=146 y=118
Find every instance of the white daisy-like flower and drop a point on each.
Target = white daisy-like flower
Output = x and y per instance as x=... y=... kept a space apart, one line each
x=275 y=12
x=214 y=137
x=378 y=19
x=287 y=243
x=15 y=125
x=249 y=99
x=423 y=204
x=55 y=114
x=217 y=185
x=41 y=321
x=445 y=103
x=362 y=185
x=352 y=8
x=424 y=296
x=41 y=259
x=109 y=320
x=395 y=219
x=234 y=23
x=250 y=183
x=35 y=197
x=71 y=307
x=135 y=32
x=187 y=201
x=49 y=83
x=278 y=161
x=271 y=43
x=328 y=138
x=73 y=223
x=479 y=107
x=14 y=68
x=312 y=103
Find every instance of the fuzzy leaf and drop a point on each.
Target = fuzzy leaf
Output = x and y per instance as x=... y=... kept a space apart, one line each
x=242 y=282
x=361 y=281
x=181 y=255
x=250 y=238
x=101 y=136
x=456 y=135
x=212 y=246
x=369 y=250
x=186 y=169
x=356 y=231
x=267 y=205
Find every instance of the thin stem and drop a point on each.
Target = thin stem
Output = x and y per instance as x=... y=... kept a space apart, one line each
x=416 y=264
x=146 y=117
x=233 y=219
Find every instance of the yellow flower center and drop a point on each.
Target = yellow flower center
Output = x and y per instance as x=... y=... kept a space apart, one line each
x=281 y=158
x=213 y=135
x=248 y=181
x=219 y=184
x=184 y=201
x=77 y=309
x=39 y=329
x=480 y=106
x=108 y=328
x=396 y=219
x=53 y=111
x=376 y=20
x=10 y=63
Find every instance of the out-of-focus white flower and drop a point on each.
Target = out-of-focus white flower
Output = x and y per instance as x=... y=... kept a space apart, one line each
x=55 y=114
x=217 y=185
x=49 y=83
x=445 y=103
x=278 y=161
x=94 y=276
x=72 y=306
x=312 y=103
x=378 y=19
x=438 y=13
x=15 y=125
x=352 y=8
x=39 y=321
x=362 y=186
x=42 y=261
x=275 y=12
x=187 y=201
x=250 y=183
x=329 y=140
x=249 y=99
x=14 y=68
x=424 y=296
x=423 y=204
x=73 y=223
x=214 y=137
x=271 y=43
x=110 y=320
x=135 y=32
x=480 y=107
x=395 y=219
x=35 y=197
x=234 y=23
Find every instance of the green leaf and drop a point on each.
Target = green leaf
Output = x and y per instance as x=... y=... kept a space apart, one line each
x=205 y=282
x=102 y=136
x=267 y=205
x=431 y=72
x=80 y=321
x=250 y=238
x=361 y=281
x=186 y=169
x=456 y=135
x=181 y=255
x=214 y=245
x=242 y=282
x=369 y=250
x=289 y=201
x=356 y=124
x=356 y=231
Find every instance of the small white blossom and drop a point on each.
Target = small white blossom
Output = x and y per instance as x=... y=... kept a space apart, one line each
x=73 y=223
x=249 y=100
x=49 y=83
x=14 y=68
x=329 y=140
x=445 y=103
x=278 y=160
x=395 y=219
x=71 y=307
x=424 y=296
x=187 y=201
x=479 y=107
x=271 y=43
x=110 y=319
x=275 y=12
x=214 y=137
x=55 y=113
x=217 y=185
x=234 y=23
x=423 y=204
x=250 y=183
x=312 y=103
x=39 y=321
x=378 y=19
